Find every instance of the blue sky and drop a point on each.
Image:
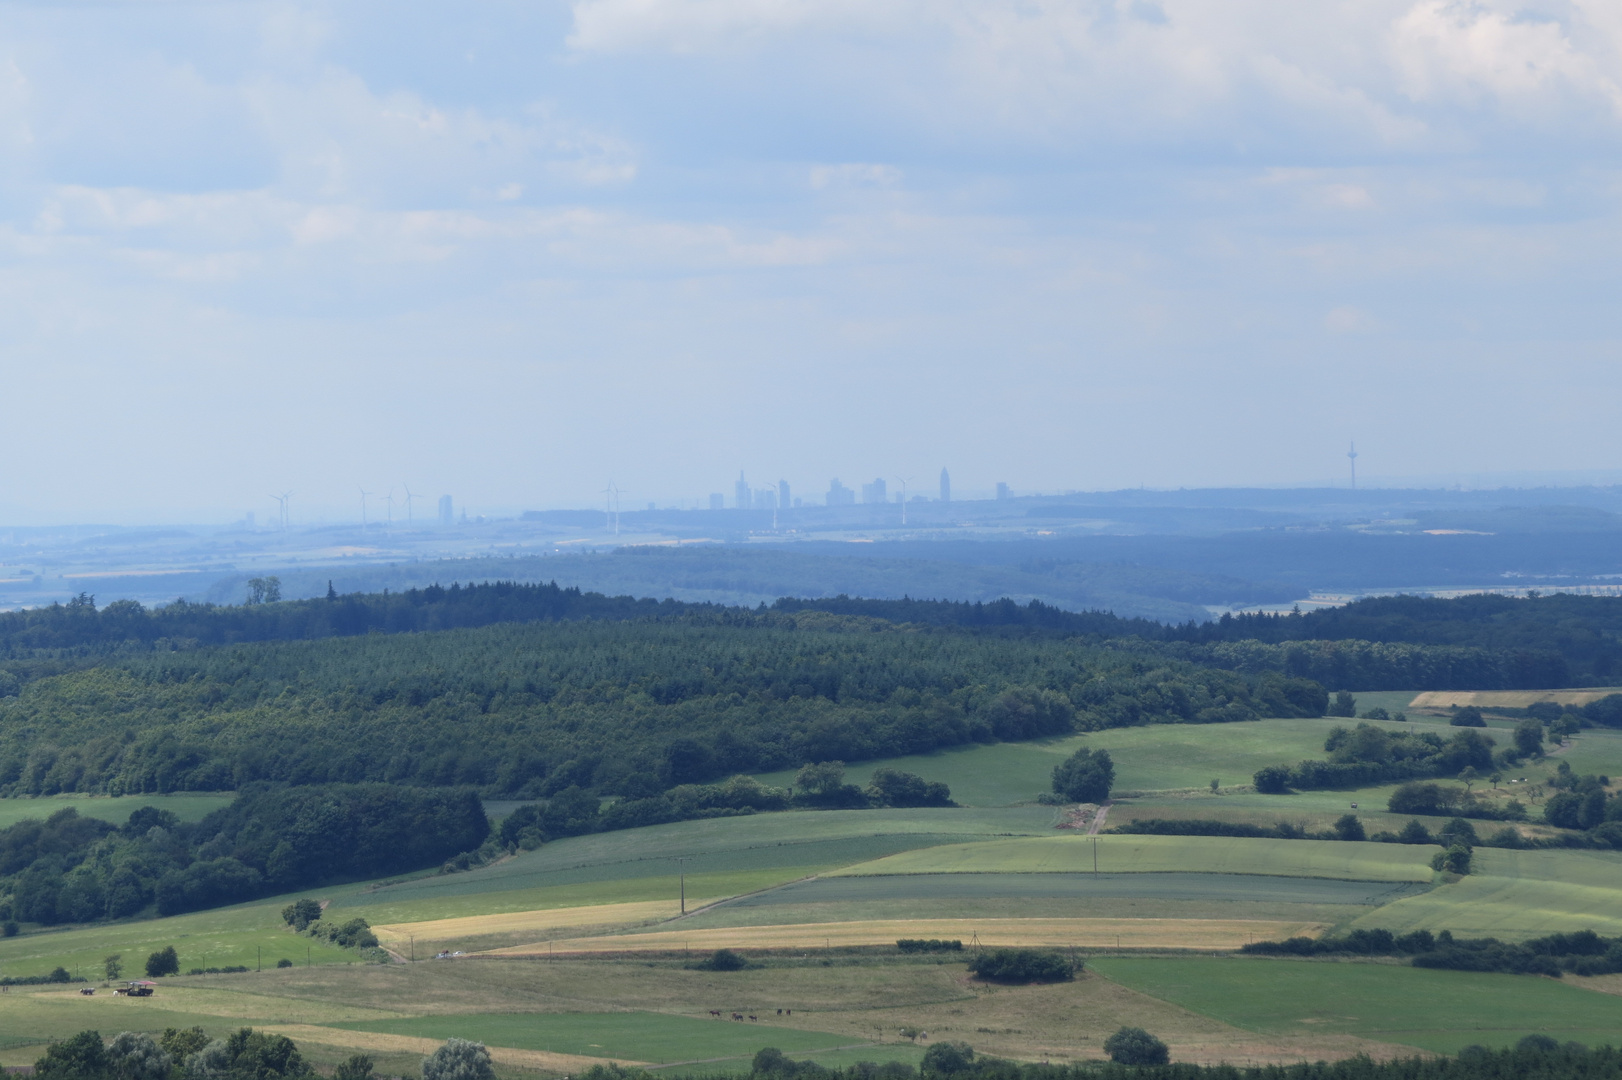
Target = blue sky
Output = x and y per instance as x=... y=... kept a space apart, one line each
x=513 y=251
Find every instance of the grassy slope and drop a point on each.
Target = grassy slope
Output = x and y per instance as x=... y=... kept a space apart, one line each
x=1518 y=894
x=639 y=1036
x=1219 y=854
x=1146 y=758
x=1432 y=1010
x=727 y=856
x=191 y=806
x=724 y=856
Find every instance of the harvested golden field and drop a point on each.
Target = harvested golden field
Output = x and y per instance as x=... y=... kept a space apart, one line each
x=1506 y=699
x=540 y=923
x=1080 y=933
x=409 y=1044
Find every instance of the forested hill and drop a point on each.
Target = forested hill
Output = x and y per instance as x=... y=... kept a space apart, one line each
x=1585 y=632
x=624 y=707
x=1402 y=642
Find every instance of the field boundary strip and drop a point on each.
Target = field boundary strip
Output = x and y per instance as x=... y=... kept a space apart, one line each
x=1202 y=934
x=383 y=1043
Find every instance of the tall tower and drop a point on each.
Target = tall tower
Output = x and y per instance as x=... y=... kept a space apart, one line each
x=1351 y=455
x=946 y=486
x=741 y=498
x=783 y=494
x=446 y=516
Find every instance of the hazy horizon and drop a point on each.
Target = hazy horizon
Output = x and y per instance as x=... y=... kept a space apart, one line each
x=515 y=252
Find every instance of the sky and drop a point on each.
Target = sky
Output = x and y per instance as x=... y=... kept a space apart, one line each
x=518 y=251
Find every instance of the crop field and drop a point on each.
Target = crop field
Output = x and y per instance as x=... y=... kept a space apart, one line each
x=626 y=1036
x=1059 y=933
x=474 y=932
x=1518 y=894
x=116 y=809
x=1432 y=1010
x=1077 y=887
x=1508 y=699
x=724 y=856
x=1365 y=861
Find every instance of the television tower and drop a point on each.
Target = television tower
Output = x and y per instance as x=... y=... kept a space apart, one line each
x=1351 y=455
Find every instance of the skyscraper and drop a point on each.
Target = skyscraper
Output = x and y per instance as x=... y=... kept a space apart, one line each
x=446 y=516
x=740 y=493
x=1002 y=491
x=876 y=492
x=783 y=499
x=946 y=486
x=840 y=495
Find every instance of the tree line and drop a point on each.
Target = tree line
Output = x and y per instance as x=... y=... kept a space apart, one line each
x=269 y=839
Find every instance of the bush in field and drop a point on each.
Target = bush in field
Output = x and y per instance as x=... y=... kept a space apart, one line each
x=1469 y=716
x=947 y=1059
x=1022 y=966
x=723 y=960
x=1086 y=776
x=163 y=962
x=301 y=913
x=458 y=1059
x=1134 y=1046
x=1347 y=827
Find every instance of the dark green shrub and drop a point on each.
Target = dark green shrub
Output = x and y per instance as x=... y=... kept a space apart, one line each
x=723 y=960
x=163 y=962
x=1134 y=1046
x=1022 y=966
x=947 y=1059
x=1087 y=776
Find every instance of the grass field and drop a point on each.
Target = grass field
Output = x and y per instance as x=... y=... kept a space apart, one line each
x=638 y=1036
x=1165 y=854
x=117 y=809
x=223 y=937
x=1518 y=894
x=1155 y=758
x=1058 y=933
x=1433 y=1010
x=724 y=856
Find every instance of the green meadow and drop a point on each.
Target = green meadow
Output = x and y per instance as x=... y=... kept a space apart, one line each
x=1366 y=861
x=190 y=806
x=1440 y=1011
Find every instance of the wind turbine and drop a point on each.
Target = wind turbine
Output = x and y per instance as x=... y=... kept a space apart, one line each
x=1352 y=455
x=902 y=480
x=282 y=499
x=389 y=498
x=611 y=505
x=409 y=498
x=364 y=495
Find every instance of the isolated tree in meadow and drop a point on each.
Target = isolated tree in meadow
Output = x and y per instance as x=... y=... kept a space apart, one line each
x=458 y=1059
x=1086 y=776
x=1529 y=738
x=1135 y=1046
x=1468 y=776
x=1343 y=705
x=163 y=962
x=301 y=913
x=113 y=965
x=1469 y=716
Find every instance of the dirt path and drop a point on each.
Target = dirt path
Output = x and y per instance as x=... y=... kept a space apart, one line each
x=1098 y=818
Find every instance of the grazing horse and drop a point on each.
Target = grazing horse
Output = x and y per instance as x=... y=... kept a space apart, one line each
x=737 y=1016
x=752 y=1016
x=716 y=1013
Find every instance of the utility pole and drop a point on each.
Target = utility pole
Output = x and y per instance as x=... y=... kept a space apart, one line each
x=682 y=863
x=1095 y=854
x=260 y=949
x=413 y=948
